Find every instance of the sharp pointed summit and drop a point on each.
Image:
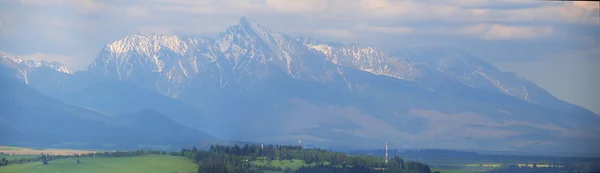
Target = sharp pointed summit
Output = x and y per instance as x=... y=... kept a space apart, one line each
x=244 y=19
x=250 y=27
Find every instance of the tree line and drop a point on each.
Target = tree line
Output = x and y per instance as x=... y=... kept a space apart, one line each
x=236 y=158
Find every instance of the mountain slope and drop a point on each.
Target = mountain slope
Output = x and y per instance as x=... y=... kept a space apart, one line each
x=113 y=97
x=161 y=127
x=166 y=63
x=460 y=66
x=33 y=119
x=21 y=69
x=9 y=69
x=33 y=64
x=368 y=58
x=436 y=67
x=116 y=97
x=262 y=86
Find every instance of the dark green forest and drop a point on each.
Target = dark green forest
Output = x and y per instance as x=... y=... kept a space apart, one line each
x=236 y=158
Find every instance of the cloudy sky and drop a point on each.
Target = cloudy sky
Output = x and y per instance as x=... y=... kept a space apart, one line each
x=554 y=44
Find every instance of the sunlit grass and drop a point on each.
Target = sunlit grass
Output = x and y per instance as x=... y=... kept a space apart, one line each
x=141 y=164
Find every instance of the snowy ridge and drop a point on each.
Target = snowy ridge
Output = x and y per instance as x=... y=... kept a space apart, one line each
x=244 y=49
x=460 y=66
x=26 y=66
x=41 y=63
x=8 y=68
x=138 y=57
x=147 y=45
x=168 y=62
x=368 y=58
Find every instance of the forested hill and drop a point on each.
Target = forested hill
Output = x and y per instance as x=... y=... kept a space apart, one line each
x=257 y=158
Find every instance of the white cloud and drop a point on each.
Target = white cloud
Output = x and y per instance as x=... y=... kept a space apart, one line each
x=212 y=7
x=452 y=10
x=587 y=5
x=381 y=8
x=385 y=29
x=338 y=33
x=337 y=19
x=501 y=32
x=137 y=12
x=82 y=6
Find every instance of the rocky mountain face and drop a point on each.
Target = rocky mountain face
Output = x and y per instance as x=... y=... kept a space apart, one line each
x=366 y=58
x=165 y=63
x=23 y=68
x=9 y=69
x=262 y=86
x=35 y=64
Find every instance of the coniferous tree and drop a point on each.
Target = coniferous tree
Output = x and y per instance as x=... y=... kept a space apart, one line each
x=44 y=159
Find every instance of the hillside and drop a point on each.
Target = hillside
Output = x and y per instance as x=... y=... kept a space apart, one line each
x=30 y=118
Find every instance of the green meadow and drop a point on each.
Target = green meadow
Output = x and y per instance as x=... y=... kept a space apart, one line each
x=293 y=165
x=18 y=156
x=141 y=164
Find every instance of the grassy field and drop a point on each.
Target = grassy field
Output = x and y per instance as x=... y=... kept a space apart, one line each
x=142 y=164
x=18 y=156
x=282 y=164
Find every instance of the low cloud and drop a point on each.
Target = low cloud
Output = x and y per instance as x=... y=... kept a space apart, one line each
x=338 y=33
x=82 y=6
x=385 y=29
x=500 y=32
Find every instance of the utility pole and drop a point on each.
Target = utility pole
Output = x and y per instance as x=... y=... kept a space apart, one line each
x=386 y=152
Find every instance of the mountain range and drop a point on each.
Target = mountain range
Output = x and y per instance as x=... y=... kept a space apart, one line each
x=253 y=84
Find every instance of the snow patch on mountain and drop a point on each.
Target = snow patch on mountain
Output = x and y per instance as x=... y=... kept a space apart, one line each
x=366 y=58
x=169 y=62
x=41 y=63
x=242 y=50
x=147 y=45
x=26 y=66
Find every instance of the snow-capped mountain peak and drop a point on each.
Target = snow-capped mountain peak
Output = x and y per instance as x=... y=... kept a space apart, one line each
x=250 y=26
x=41 y=63
x=366 y=58
x=147 y=44
x=29 y=65
x=22 y=69
x=243 y=49
x=249 y=49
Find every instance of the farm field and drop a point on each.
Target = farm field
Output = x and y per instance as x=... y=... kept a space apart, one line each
x=141 y=164
x=8 y=150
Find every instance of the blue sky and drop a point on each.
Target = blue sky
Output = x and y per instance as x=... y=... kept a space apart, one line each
x=554 y=44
